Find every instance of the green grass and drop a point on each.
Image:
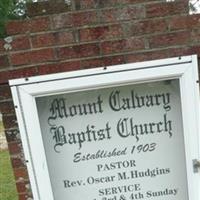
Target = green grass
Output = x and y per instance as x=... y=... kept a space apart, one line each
x=7 y=183
x=1 y=127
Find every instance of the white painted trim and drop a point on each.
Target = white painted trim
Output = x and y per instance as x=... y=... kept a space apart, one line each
x=25 y=91
x=190 y=114
x=24 y=139
x=100 y=70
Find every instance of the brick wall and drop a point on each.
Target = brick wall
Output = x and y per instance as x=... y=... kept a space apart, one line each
x=87 y=34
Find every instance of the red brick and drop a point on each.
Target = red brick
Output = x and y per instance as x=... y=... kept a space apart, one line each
x=78 y=51
x=59 y=67
x=195 y=36
x=12 y=135
x=184 y=22
x=84 y=18
x=22 y=186
x=91 y=63
x=30 y=25
x=18 y=73
x=2 y=42
x=88 y=50
x=9 y=121
x=101 y=33
x=49 y=69
x=93 y=33
x=116 y=3
x=63 y=37
x=62 y=21
x=4 y=61
x=179 y=22
x=106 y=3
x=5 y=92
x=20 y=43
x=88 y=4
x=166 y=9
x=50 y=39
x=120 y=14
x=113 y=60
x=130 y=44
x=68 y=52
x=38 y=8
x=20 y=58
x=176 y=52
x=14 y=148
x=17 y=162
x=145 y=56
x=42 y=40
x=23 y=72
x=31 y=57
x=25 y=196
x=4 y=77
x=21 y=173
x=69 y=66
x=39 y=24
x=7 y=107
x=148 y=27
x=17 y=26
x=171 y=39
x=194 y=49
x=192 y=21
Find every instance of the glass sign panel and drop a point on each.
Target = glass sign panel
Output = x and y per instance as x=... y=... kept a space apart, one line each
x=118 y=143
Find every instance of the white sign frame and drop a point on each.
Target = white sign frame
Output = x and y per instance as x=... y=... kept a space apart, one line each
x=25 y=91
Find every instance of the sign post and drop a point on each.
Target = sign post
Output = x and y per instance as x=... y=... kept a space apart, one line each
x=118 y=133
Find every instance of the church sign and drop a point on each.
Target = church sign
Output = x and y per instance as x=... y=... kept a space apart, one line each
x=118 y=133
